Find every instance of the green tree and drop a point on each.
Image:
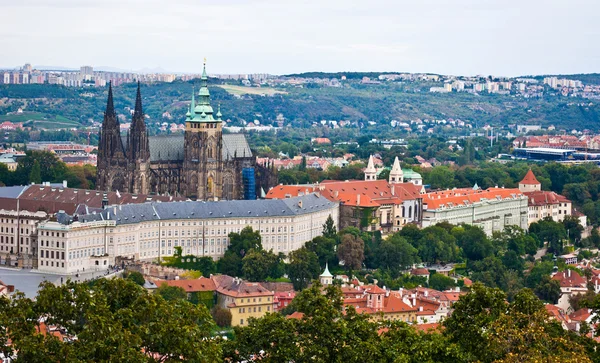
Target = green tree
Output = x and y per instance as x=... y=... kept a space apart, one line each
x=257 y=265
x=548 y=290
x=136 y=277
x=329 y=230
x=303 y=267
x=395 y=254
x=440 y=282
x=113 y=320
x=351 y=252
x=324 y=248
x=35 y=176
x=171 y=293
x=221 y=316
x=239 y=245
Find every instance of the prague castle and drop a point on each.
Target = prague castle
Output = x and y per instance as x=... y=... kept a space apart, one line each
x=203 y=164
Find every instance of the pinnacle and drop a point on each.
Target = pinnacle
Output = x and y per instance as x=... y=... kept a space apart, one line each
x=110 y=107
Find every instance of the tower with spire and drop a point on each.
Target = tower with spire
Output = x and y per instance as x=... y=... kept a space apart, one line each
x=370 y=171
x=202 y=164
x=112 y=162
x=138 y=148
x=396 y=174
x=203 y=161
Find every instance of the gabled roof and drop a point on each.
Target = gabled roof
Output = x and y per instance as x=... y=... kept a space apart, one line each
x=236 y=287
x=530 y=179
x=541 y=197
x=569 y=278
x=196 y=285
x=467 y=196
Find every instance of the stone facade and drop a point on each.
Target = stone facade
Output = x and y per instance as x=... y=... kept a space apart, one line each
x=151 y=231
x=203 y=164
x=490 y=209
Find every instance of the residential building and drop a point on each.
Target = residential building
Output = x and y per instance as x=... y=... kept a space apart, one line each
x=199 y=291
x=243 y=299
x=490 y=209
x=571 y=283
x=150 y=231
x=543 y=204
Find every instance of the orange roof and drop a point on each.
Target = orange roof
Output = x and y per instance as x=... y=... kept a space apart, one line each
x=236 y=287
x=466 y=196
x=295 y=315
x=544 y=198
x=569 y=278
x=530 y=179
x=581 y=314
x=362 y=193
x=419 y=272
x=429 y=327
x=197 y=285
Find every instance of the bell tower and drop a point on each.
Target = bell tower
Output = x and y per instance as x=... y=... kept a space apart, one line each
x=203 y=145
x=112 y=163
x=138 y=149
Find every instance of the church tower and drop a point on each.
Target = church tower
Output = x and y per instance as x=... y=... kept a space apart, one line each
x=138 y=149
x=112 y=164
x=396 y=175
x=370 y=171
x=203 y=145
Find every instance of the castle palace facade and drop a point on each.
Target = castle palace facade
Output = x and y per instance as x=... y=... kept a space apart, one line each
x=203 y=163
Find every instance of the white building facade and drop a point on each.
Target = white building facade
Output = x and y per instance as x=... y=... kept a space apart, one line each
x=151 y=231
x=490 y=209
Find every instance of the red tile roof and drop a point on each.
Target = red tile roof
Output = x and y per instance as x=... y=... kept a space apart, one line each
x=236 y=287
x=569 y=278
x=581 y=314
x=197 y=285
x=52 y=199
x=363 y=193
x=466 y=196
x=540 y=198
x=529 y=179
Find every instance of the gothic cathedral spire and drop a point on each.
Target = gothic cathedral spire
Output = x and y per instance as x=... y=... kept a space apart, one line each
x=138 y=146
x=110 y=137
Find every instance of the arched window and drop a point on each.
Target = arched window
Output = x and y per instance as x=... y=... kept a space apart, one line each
x=209 y=184
x=410 y=212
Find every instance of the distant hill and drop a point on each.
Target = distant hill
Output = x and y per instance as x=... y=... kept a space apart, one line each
x=301 y=107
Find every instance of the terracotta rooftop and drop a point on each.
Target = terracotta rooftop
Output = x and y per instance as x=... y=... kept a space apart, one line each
x=196 y=285
x=236 y=287
x=539 y=198
x=363 y=193
x=529 y=179
x=569 y=278
x=466 y=196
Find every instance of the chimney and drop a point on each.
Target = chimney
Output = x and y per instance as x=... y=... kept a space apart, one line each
x=104 y=203
x=357 y=199
x=414 y=301
x=568 y=273
x=64 y=183
x=393 y=190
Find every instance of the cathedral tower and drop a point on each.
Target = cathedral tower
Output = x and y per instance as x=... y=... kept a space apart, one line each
x=138 y=149
x=370 y=171
x=203 y=146
x=112 y=164
x=396 y=174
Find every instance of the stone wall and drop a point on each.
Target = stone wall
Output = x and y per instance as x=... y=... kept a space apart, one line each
x=156 y=271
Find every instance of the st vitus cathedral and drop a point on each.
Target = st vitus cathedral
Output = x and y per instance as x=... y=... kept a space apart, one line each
x=202 y=164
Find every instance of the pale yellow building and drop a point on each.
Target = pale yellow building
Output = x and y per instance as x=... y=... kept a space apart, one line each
x=243 y=299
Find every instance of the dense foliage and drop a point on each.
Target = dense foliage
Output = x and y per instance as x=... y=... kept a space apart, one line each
x=42 y=166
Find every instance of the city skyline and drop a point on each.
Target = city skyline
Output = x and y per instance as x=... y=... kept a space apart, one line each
x=466 y=37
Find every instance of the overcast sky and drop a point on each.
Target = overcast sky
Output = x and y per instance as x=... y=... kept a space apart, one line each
x=461 y=37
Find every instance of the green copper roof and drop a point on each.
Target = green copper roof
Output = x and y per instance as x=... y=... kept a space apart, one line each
x=202 y=111
x=410 y=174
